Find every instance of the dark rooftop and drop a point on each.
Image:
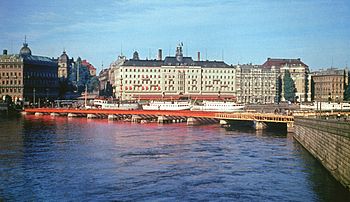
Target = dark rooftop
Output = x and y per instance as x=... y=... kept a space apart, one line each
x=34 y=59
x=276 y=62
x=143 y=63
x=172 y=61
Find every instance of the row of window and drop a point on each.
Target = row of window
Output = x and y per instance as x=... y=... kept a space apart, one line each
x=173 y=76
x=11 y=82
x=174 y=70
x=11 y=90
x=142 y=76
x=219 y=82
x=40 y=82
x=158 y=88
x=10 y=66
x=179 y=82
x=334 y=85
x=141 y=82
x=40 y=74
x=7 y=74
x=259 y=91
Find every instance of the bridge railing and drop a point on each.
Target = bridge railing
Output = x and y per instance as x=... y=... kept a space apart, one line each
x=267 y=117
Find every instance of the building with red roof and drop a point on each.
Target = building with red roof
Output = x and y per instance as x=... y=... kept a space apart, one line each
x=91 y=68
x=299 y=72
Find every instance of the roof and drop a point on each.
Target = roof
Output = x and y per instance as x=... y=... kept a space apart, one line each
x=34 y=59
x=143 y=63
x=216 y=64
x=10 y=56
x=88 y=65
x=171 y=61
x=64 y=57
x=330 y=72
x=276 y=62
x=25 y=50
x=31 y=59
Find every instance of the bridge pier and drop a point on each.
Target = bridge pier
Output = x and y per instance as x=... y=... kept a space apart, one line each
x=112 y=117
x=38 y=114
x=224 y=123
x=70 y=115
x=259 y=125
x=192 y=121
x=163 y=119
x=91 y=116
x=54 y=114
x=135 y=119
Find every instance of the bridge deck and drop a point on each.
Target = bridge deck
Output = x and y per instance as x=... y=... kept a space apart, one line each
x=265 y=117
x=244 y=116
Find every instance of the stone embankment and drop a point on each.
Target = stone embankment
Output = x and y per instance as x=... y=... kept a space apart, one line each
x=329 y=142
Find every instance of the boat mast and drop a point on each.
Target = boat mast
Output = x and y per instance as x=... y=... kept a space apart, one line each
x=85 y=95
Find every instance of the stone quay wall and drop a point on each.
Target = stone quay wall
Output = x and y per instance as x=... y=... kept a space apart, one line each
x=329 y=142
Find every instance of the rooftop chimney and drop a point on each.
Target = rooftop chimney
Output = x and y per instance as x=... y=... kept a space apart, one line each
x=160 y=55
x=4 y=52
x=199 y=56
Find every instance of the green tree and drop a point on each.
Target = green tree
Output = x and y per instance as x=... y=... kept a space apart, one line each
x=289 y=87
x=347 y=93
x=93 y=84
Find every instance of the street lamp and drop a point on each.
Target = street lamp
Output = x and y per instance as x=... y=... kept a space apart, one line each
x=34 y=96
x=47 y=96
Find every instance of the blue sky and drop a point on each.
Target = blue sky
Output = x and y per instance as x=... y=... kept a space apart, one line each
x=317 y=31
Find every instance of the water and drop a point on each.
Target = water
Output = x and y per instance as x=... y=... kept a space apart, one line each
x=61 y=159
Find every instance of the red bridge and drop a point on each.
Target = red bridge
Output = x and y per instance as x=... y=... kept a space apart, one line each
x=163 y=116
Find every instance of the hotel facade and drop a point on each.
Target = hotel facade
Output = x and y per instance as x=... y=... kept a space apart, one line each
x=172 y=78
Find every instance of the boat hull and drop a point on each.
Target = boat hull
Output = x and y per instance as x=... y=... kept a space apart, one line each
x=218 y=107
x=167 y=106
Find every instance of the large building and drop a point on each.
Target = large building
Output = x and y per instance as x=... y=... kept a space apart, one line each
x=299 y=72
x=330 y=84
x=28 y=77
x=256 y=84
x=173 y=77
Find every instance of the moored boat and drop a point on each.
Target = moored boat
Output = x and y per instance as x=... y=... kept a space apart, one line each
x=218 y=106
x=106 y=104
x=167 y=105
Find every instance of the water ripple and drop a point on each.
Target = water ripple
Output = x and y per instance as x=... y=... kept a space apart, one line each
x=45 y=159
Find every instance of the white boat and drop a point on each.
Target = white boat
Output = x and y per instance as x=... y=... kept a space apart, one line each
x=327 y=106
x=167 y=105
x=106 y=104
x=218 y=106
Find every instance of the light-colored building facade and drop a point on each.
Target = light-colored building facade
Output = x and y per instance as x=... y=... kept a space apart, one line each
x=299 y=72
x=256 y=84
x=27 y=77
x=182 y=76
x=173 y=77
x=330 y=84
x=64 y=66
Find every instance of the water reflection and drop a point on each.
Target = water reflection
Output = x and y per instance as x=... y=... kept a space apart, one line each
x=45 y=158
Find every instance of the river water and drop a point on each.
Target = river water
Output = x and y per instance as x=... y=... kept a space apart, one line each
x=61 y=159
